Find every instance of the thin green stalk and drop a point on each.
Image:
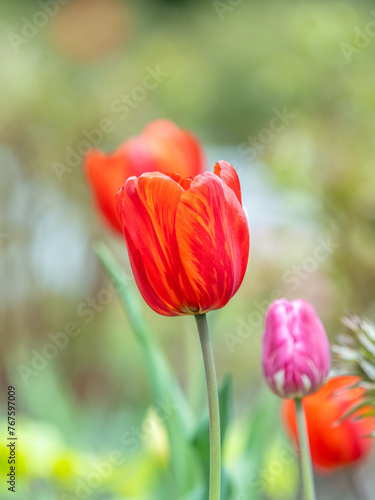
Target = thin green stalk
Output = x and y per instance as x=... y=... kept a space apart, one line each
x=213 y=405
x=305 y=457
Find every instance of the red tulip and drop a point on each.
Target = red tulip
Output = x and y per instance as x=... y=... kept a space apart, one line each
x=333 y=442
x=187 y=238
x=161 y=147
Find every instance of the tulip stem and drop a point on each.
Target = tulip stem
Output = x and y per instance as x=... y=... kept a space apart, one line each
x=213 y=405
x=305 y=457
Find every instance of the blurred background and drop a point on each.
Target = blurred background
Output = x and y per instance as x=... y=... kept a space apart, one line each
x=284 y=91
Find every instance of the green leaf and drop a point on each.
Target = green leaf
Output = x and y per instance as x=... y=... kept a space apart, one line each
x=264 y=423
x=226 y=485
x=164 y=385
x=279 y=476
x=197 y=494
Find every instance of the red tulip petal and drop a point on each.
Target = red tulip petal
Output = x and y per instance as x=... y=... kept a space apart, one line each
x=174 y=149
x=228 y=174
x=213 y=240
x=148 y=207
x=161 y=127
x=141 y=157
x=106 y=173
x=155 y=150
x=184 y=182
x=162 y=147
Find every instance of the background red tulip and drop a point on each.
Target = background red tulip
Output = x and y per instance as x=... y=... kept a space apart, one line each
x=188 y=239
x=333 y=442
x=161 y=147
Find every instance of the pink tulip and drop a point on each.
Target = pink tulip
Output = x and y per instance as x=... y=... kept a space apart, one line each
x=296 y=355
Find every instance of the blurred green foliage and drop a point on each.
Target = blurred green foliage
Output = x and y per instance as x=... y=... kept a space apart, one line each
x=226 y=69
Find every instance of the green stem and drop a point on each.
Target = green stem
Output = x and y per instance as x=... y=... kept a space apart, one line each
x=306 y=467
x=213 y=404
